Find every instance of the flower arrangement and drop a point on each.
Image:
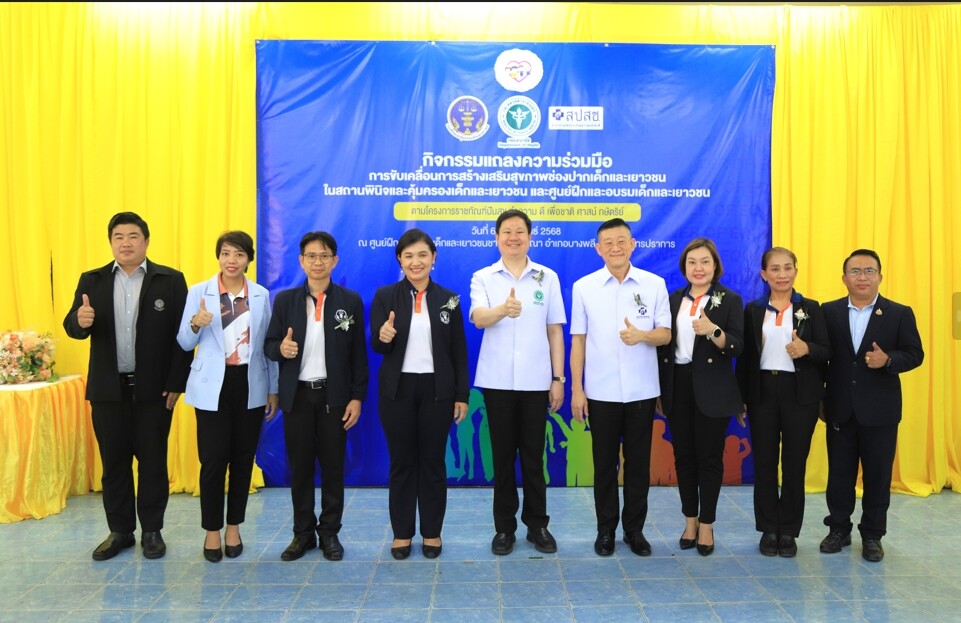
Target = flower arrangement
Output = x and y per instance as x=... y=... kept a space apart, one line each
x=26 y=357
x=539 y=277
x=801 y=316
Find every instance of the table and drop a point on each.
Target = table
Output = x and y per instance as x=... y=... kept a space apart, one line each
x=48 y=450
x=47 y=447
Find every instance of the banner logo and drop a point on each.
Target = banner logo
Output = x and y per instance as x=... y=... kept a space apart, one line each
x=518 y=70
x=519 y=117
x=467 y=118
x=575 y=118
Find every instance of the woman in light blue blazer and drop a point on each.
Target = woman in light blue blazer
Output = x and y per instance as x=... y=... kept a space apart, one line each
x=232 y=386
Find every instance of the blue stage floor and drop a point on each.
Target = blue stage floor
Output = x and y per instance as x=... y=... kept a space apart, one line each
x=46 y=573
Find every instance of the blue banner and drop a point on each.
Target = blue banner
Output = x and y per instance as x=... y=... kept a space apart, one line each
x=366 y=139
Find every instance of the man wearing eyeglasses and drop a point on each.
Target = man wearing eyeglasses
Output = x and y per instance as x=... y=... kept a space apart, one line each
x=873 y=340
x=316 y=332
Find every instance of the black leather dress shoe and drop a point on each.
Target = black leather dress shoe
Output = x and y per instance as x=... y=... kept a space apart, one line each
x=153 y=545
x=333 y=550
x=638 y=543
x=786 y=546
x=213 y=555
x=871 y=550
x=503 y=543
x=834 y=541
x=232 y=551
x=768 y=544
x=431 y=551
x=297 y=548
x=112 y=545
x=542 y=539
x=687 y=543
x=604 y=543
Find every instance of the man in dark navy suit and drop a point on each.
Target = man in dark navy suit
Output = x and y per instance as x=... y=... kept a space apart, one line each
x=873 y=340
x=130 y=309
x=316 y=332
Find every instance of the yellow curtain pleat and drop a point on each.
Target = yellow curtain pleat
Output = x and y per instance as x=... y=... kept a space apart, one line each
x=151 y=107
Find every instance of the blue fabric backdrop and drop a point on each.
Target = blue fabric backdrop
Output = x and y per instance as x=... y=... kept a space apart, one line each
x=366 y=139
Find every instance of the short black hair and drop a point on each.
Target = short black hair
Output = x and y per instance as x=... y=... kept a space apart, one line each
x=512 y=213
x=611 y=224
x=239 y=239
x=413 y=236
x=867 y=252
x=319 y=236
x=128 y=218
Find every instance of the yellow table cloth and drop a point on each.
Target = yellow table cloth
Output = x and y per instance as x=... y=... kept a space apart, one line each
x=48 y=450
x=47 y=447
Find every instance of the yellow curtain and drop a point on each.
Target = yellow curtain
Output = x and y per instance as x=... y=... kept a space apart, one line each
x=150 y=107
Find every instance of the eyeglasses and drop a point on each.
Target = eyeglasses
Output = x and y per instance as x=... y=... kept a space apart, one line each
x=310 y=258
x=867 y=272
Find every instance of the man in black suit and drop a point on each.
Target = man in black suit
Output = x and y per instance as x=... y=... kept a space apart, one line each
x=873 y=340
x=130 y=309
x=316 y=332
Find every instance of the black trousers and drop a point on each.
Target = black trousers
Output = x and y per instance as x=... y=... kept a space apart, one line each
x=698 y=450
x=314 y=433
x=781 y=431
x=416 y=426
x=611 y=424
x=874 y=447
x=517 y=421
x=227 y=438
x=126 y=430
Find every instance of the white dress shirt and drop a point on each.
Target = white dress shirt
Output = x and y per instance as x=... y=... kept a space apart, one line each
x=614 y=371
x=515 y=353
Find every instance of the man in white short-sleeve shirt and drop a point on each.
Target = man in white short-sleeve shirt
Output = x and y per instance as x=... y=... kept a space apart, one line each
x=520 y=369
x=619 y=316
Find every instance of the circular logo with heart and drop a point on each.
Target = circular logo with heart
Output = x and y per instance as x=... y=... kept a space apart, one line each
x=518 y=70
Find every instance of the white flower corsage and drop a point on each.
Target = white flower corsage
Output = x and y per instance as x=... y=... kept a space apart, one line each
x=344 y=324
x=638 y=300
x=451 y=303
x=716 y=299
x=539 y=277
x=800 y=315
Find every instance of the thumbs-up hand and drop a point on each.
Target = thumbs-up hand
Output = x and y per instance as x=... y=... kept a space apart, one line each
x=387 y=330
x=85 y=313
x=877 y=358
x=630 y=334
x=203 y=317
x=797 y=348
x=512 y=306
x=702 y=324
x=288 y=347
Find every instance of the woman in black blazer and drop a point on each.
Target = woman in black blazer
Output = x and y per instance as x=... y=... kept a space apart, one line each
x=418 y=327
x=699 y=391
x=781 y=374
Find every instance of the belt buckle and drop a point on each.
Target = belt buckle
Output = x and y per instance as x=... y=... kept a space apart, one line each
x=128 y=379
x=318 y=384
x=775 y=372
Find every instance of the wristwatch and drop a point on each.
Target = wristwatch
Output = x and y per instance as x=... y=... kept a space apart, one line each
x=559 y=379
x=717 y=332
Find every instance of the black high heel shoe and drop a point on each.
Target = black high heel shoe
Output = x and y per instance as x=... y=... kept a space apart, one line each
x=705 y=550
x=688 y=543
